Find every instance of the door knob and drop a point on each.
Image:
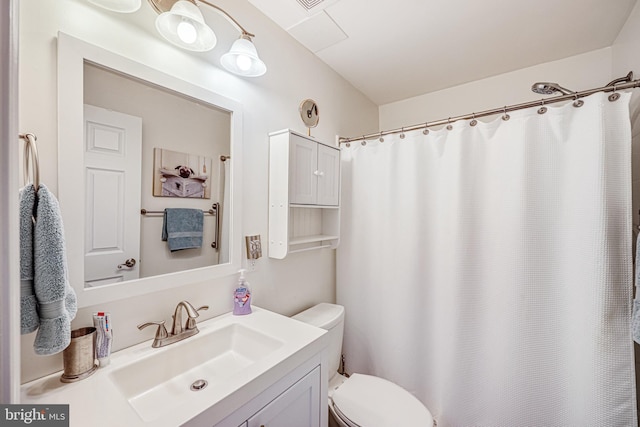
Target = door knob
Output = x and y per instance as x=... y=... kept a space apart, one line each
x=127 y=264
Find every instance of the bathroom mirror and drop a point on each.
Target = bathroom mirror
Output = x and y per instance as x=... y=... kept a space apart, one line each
x=105 y=99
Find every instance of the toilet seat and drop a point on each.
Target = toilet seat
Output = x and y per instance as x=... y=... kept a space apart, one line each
x=368 y=401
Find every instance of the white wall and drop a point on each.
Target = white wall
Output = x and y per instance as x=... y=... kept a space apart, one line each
x=586 y=71
x=269 y=103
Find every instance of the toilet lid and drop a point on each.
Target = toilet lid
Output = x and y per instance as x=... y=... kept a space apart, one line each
x=368 y=401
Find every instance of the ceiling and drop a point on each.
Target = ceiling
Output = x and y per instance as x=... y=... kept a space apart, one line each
x=396 y=49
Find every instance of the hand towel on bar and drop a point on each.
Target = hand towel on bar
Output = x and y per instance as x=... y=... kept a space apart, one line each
x=182 y=228
x=57 y=304
x=635 y=317
x=29 y=320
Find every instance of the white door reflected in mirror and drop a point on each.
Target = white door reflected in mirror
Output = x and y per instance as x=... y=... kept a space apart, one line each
x=113 y=147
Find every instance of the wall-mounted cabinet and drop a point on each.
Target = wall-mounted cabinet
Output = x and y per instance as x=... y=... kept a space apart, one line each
x=304 y=194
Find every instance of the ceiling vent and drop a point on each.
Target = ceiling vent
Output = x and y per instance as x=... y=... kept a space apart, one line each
x=310 y=4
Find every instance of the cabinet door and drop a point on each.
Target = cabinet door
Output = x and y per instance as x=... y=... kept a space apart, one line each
x=303 y=181
x=298 y=406
x=328 y=176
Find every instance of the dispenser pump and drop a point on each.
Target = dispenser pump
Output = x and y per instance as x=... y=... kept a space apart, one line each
x=242 y=296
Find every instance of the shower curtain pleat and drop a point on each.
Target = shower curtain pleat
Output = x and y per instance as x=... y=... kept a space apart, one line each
x=488 y=270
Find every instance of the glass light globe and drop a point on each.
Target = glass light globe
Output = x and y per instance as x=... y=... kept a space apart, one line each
x=243 y=62
x=187 y=32
x=184 y=26
x=242 y=59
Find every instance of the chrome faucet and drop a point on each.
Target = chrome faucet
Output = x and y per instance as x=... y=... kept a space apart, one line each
x=178 y=331
x=177 y=328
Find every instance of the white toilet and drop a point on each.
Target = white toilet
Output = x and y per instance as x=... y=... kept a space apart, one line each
x=362 y=400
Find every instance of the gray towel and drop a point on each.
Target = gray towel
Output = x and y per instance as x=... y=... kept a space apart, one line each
x=635 y=318
x=29 y=320
x=182 y=228
x=57 y=304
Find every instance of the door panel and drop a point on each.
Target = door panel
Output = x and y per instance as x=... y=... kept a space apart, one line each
x=112 y=159
x=328 y=176
x=299 y=406
x=303 y=167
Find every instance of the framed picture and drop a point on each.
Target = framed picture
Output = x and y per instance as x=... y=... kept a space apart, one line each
x=181 y=174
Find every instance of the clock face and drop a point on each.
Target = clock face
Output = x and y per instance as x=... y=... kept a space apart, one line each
x=309 y=113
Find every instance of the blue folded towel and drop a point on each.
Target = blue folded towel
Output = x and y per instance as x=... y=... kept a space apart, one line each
x=635 y=317
x=29 y=320
x=57 y=304
x=182 y=228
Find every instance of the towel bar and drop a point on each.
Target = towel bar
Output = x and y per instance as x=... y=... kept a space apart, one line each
x=215 y=208
x=212 y=211
x=30 y=154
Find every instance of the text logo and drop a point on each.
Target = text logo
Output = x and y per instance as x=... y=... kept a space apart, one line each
x=34 y=415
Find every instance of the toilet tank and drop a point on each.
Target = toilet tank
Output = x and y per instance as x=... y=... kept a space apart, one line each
x=330 y=317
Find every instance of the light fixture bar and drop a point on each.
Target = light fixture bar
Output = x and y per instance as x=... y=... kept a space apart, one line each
x=229 y=17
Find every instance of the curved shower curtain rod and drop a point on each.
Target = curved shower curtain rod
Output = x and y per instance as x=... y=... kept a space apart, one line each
x=613 y=86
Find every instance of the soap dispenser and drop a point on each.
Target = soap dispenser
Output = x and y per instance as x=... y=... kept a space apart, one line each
x=242 y=296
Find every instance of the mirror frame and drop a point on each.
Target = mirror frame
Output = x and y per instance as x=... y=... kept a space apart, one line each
x=72 y=54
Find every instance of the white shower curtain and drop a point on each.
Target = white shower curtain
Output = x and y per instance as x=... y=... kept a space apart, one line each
x=488 y=269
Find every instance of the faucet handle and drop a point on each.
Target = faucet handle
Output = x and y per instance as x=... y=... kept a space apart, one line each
x=161 y=332
x=191 y=321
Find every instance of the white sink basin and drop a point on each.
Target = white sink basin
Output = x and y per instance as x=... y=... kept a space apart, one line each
x=163 y=379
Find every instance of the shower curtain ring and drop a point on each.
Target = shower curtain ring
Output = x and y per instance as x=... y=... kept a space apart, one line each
x=542 y=109
x=402 y=133
x=505 y=116
x=364 y=140
x=473 y=121
x=426 y=130
x=577 y=102
x=615 y=95
x=449 y=126
x=381 y=139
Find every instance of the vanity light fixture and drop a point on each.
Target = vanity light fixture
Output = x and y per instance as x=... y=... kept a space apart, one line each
x=181 y=23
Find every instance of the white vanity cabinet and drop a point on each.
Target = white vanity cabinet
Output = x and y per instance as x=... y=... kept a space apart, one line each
x=304 y=194
x=299 y=406
x=293 y=401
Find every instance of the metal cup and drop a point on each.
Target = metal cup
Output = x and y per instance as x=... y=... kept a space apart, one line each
x=79 y=357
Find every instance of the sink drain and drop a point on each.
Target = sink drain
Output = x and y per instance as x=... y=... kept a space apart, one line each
x=198 y=385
